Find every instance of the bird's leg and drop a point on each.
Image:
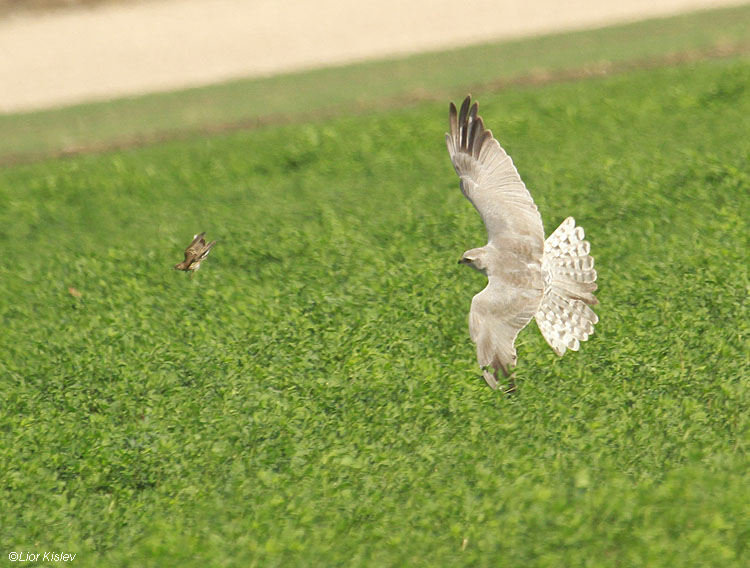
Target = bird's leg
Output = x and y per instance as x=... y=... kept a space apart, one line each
x=511 y=384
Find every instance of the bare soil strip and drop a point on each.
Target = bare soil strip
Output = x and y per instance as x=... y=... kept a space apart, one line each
x=97 y=51
x=407 y=99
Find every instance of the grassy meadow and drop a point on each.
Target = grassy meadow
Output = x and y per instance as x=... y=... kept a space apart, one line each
x=311 y=397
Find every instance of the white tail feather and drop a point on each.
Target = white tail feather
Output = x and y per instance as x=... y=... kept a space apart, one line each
x=564 y=316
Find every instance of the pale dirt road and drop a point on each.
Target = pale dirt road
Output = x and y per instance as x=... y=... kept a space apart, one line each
x=63 y=57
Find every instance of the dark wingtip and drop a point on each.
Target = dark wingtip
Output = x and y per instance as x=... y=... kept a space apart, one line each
x=462 y=123
x=465 y=106
x=453 y=119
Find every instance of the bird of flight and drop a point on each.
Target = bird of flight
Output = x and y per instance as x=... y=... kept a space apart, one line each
x=195 y=253
x=552 y=281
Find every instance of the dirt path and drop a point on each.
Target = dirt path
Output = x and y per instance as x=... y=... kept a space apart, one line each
x=62 y=57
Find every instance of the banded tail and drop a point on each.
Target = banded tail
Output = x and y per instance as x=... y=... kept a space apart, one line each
x=564 y=316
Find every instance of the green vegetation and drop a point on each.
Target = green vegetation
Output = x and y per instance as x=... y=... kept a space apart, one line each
x=311 y=397
x=361 y=87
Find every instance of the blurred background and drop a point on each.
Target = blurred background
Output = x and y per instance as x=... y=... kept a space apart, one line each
x=57 y=53
x=67 y=51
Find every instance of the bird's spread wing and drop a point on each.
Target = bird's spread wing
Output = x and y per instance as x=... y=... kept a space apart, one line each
x=498 y=313
x=198 y=249
x=516 y=240
x=195 y=247
x=491 y=182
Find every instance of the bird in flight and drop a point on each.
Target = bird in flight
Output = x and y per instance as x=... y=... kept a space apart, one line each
x=552 y=281
x=196 y=253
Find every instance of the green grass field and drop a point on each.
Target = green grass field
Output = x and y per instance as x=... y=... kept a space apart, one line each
x=311 y=397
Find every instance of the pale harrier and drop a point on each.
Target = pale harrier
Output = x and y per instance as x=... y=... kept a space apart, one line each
x=552 y=281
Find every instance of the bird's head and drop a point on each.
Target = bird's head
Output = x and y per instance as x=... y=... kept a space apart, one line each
x=476 y=258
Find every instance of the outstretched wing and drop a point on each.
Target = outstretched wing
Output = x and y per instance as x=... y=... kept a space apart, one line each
x=498 y=313
x=516 y=238
x=198 y=249
x=195 y=248
x=491 y=182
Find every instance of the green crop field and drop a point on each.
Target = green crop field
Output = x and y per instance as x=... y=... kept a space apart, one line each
x=311 y=397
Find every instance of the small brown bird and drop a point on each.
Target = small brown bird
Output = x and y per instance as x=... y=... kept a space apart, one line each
x=196 y=252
